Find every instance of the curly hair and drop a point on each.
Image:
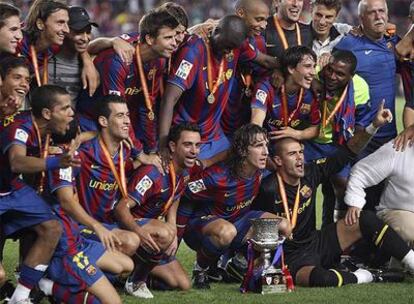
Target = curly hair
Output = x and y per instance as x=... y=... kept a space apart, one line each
x=243 y=138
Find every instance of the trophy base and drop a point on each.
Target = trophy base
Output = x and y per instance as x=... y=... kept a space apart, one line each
x=273 y=282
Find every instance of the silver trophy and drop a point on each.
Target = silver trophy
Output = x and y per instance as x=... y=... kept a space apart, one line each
x=265 y=239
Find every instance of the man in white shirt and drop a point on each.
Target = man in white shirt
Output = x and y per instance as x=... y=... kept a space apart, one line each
x=396 y=205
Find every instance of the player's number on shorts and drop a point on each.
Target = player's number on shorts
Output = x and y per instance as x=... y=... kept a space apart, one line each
x=81 y=260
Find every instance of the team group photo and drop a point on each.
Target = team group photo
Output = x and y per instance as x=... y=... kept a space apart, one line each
x=250 y=151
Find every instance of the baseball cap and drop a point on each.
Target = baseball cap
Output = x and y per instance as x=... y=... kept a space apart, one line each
x=79 y=18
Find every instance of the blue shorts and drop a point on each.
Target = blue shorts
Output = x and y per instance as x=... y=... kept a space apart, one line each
x=24 y=208
x=315 y=151
x=78 y=271
x=91 y=235
x=210 y=148
x=193 y=236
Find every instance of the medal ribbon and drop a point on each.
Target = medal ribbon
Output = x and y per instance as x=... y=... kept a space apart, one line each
x=174 y=185
x=292 y=219
x=213 y=85
x=338 y=105
x=33 y=54
x=147 y=97
x=285 y=109
x=120 y=178
x=282 y=35
x=43 y=153
x=247 y=80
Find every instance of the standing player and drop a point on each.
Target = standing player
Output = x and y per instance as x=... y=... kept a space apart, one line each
x=291 y=111
x=224 y=193
x=284 y=29
x=237 y=111
x=290 y=192
x=138 y=81
x=24 y=141
x=45 y=30
x=154 y=196
x=10 y=29
x=203 y=70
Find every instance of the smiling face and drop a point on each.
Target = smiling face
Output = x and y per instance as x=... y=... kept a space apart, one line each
x=290 y=10
x=55 y=28
x=374 y=18
x=118 y=122
x=164 y=44
x=186 y=149
x=255 y=15
x=79 y=40
x=304 y=72
x=336 y=75
x=323 y=19
x=10 y=34
x=16 y=83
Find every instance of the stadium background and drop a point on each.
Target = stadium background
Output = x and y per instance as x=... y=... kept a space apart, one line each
x=120 y=16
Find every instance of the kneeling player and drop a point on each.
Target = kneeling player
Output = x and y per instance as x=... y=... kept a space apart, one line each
x=153 y=198
x=224 y=192
x=78 y=264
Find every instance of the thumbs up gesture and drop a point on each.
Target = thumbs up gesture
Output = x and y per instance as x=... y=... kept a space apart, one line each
x=383 y=116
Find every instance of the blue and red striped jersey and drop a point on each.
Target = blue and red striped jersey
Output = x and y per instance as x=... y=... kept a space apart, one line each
x=120 y=78
x=151 y=191
x=302 y=115
x=237 y=112
x=189 y=72
x=215 y=191
x=97 y=188
x=70 y=240
x=17 y=129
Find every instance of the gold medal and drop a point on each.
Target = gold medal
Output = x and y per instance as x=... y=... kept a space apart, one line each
x=248 y=92
x=229 y=73
x=211 y=98
x=151 y=115
x=230 y=56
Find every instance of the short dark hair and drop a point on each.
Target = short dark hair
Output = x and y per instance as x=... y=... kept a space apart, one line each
x=102 y=106
x=177 y=11
x=347 y=57
x=330 y=4
x=176 y=130
x=44 y=97
x=275 y=146
x=153 y=21
x=7 y=11
x=293 y=55
x=11 y=62
x=244 y=137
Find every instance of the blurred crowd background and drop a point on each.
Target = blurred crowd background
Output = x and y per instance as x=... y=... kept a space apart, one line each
x=120 y=16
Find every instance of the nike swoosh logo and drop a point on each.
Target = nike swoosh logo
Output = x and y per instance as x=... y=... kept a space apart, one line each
x=276 y=106
x=270 y=45
x=163 y=190
x=368 y=52
x=204 y=68
x=130 y=76
x=278 y=202
x=94 y=167
x=227 y=194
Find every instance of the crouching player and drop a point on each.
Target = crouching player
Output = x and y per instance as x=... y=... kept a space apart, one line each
x=152 y=210
x=78 y=264
x=224 y=193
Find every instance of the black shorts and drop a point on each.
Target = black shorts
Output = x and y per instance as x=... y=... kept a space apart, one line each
x=322 y=249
